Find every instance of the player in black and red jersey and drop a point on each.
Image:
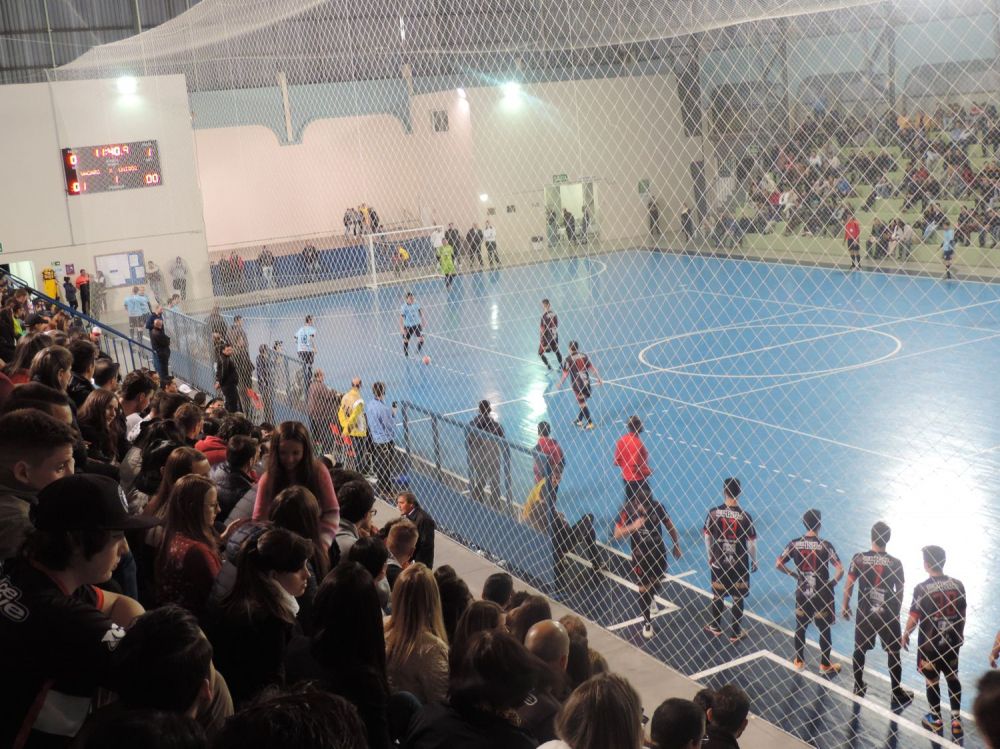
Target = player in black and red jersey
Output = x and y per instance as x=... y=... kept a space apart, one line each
x=814 y=599
x=939 y=608
x=640 y=519
x=880 y=599
x=578 y=367
x=731 y=541
x=548 y=334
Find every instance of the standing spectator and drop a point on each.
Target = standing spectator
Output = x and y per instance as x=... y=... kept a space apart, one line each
x=58 y=644
x=70 y=290
x=237 y=336
x=633 y=460
x=179 y=275
x=348 y=221
x=852 y=236
x=570 y=223
x=383 y=438
x=161 y=347
x=252 y=625
x=488 y=454
x=453 y=238
x=227 y=380
x=290 y=462
x=436 y=239
x=687 y=223
x=604 y=711
x=731 y=542
x=474 y=244
x=814 y=596
x=155 y=277
x=939 y=607
x=83 y=287
x=266 y=366
x=310 y=260
x=305 y=346
x=98 y=292
x=409 y=508
x=138 y=308
x=354 y=425
x=727 y=718
x=321 y=407
x=416 y=642
x=490 y=236
x=265 y=260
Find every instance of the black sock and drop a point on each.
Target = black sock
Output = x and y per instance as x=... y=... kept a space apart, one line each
x=406 y=349
x=737 y=614
x=585 y=414
x=955 y=695
x=647 y=601
x=858 y=662
x=420 y=345
x=934 y=698
x=545 y=361
x=895 y=670
x=718 y=606
x=558 y=357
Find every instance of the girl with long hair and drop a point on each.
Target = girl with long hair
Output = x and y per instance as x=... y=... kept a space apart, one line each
x=251 y=627
x=416 y=644
x=291 y=462
x=18 y=367
x=52 y=366
x=480 y=616
x=98 y=419
x=297 y=509
x=602 y=712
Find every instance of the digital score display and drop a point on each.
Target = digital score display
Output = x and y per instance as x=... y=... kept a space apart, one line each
x=112 y=166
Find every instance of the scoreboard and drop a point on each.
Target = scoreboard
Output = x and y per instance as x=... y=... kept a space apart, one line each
x=111 y=166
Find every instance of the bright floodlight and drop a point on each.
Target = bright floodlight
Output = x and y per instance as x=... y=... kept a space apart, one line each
x=511 y=88
x=461 y=93
x=127 y=84
x=484 y=197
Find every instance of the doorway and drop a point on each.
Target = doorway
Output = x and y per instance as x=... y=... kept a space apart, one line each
x=571 y=213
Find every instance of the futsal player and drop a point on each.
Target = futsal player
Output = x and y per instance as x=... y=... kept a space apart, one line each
x=939 y=608
x=305 y=347
x=578 y=367
x=814 y=599
x=947 y=247
x=880 y=599
x=731 y=542
x=641 y=518
x=548 y=331
x=411 y=323
x=446 y=259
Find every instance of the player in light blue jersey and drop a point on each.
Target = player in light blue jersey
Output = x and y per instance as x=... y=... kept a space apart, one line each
x=411 y=323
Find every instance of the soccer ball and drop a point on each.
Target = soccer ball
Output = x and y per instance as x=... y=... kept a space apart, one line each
x=427 y=360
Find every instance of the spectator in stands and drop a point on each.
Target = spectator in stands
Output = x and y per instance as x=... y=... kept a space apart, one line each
x=190 y=420
x=300 y=718
x=70 y=291
x=98 y=422
x=356 y=499
x=401 y=541
x=291 y=462
x=35 y=450
x=494 y=676
x=409 y=508
x=137 y=389
x=310 y=261
x=215 y=446
x=10 y=331
x=678 y=724
x=60 y=631
x=321 y=406
x=532 y=610
x=234 y=477
x=371 y=553
x=266 y=367
x=151 y=729
x=592 y=662
x=52 y=367
x=106 y=376
x=227 y=379
x=455 y=597
x=251 y=628
x=986 y=709
x=179 y=275
x=19 y=363
x=604 y=711
x=480 y=616
x=382 y=429
x=346 y=654
x=84 y=359
x=727 y=718
x=415 y=638
x=160 y=342
x=499 y=587
x=549 y=642
x=474 y=244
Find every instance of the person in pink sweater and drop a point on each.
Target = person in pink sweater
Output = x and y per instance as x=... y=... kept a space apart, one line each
x=291 y=463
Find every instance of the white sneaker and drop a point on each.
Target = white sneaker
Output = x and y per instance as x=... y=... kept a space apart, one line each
x=647 y=630
x=653 y=608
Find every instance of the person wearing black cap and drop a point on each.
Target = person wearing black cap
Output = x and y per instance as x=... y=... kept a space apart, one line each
x=58 y=628
x=35 y=323
x=814 y=597
x=880 y=599
x=227 y=379
x=938 y=606
x=486 y=449
x=731 y=542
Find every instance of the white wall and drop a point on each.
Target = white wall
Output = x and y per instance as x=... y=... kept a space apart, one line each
x=40 y=223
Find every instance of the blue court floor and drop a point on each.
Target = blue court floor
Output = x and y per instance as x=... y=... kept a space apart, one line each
x=865 y=395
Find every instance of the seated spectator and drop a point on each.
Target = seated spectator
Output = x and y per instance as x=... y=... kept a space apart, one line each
x=150 y=729
x=35 y=450
x=130 y=468
x=188 y=559
x=481 y=616
x=17 y=368
x=106 y=375
x=84 y=360
x=499 y=587
x=235 y=477
x=678 y=724
x=291 y=463
x=986 y=709
x=52 y=366
x=534 y=609
x=584 y=661
x=416 y=643
x=61 y=630
x=703 y=699
x=401 y=541
x=406 y=503
x=297 y=510
x=494 y=676
x=356 y=499
x=169 y=462
x=214 y=447
x=604 y=711
x=455 y=597
x=98 y=421
x=252 y=626
x=347 y=611
x=299 y=718
x=137 y=390
x=727 y=718
x=549 y=642
x=190 y=420
x=370 y=552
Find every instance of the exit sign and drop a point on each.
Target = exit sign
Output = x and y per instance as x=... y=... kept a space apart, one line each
x=559 y=179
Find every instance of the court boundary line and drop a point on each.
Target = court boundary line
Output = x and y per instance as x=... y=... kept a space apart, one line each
x=636 y=620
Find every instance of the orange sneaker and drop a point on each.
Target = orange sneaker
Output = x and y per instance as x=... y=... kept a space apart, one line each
x=831 y=669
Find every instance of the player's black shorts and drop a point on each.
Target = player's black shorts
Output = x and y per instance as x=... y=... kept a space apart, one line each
x=933 y=660
x=582 y=392
x=853 y=246
x=412 y=330
x=548 y=343
x=649 y=568
x=730 y=581
x=818 y=607
x=877 y=626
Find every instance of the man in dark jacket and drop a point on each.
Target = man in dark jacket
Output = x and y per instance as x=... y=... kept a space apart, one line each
x=406 y=503
x=474 y=243
x=727 y=718
x=486 y=453
x=161 y=347
x=234 y=477
x=84 y=360
x=452 y=237
x=227 y=380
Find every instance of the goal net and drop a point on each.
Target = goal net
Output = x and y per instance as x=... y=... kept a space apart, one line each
x=771 y=227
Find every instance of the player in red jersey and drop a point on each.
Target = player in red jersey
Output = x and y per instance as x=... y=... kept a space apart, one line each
x=578 y=367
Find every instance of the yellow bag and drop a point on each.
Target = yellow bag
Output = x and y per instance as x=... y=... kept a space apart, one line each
x=533 y=513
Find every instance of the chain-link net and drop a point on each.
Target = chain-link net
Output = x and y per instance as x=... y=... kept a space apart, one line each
x=770 y=226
